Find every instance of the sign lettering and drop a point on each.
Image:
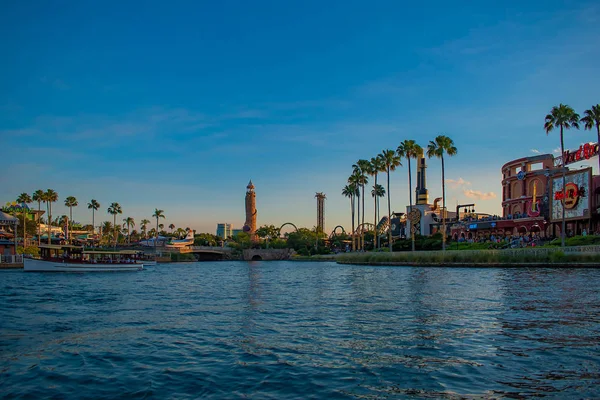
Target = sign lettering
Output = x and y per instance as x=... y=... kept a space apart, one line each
x=585 y=152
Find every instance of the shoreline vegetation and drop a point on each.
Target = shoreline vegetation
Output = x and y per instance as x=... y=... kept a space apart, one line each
x=528 y=257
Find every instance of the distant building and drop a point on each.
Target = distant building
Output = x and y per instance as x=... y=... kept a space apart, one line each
x=224 y=230
x=234 y=232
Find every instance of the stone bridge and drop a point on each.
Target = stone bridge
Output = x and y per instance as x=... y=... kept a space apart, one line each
x=267 y=254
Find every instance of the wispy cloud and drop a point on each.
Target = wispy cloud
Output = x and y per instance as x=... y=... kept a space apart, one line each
x=536 y=151
x=456 y=183
x=476 y=194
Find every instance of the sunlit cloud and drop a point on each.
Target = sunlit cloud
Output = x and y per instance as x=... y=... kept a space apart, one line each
x=536 y=151
x=476 y=194
x=456 y=183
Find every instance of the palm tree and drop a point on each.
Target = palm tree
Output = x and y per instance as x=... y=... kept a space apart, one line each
x=364 y=167
x=564 y=117
x=129 y=222
x=157 y=214
x=180 y=232
x=114 y=209
x=24 y=199
x=162 y=228
x=106 y=228
x=377 y=192
x=144 y=224
x=71 y=202
x=38 y=196
x=409 y=149
x=50 y=197
x=592 y=117
x=391 y=160
x=437 y=148
x=376 y=167
x=171 y=227
x=351 y=191
x=94 y=206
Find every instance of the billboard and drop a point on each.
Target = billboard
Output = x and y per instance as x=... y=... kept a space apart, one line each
x=575 y=197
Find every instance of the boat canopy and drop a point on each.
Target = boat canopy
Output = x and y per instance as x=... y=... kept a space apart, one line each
x=59 y=246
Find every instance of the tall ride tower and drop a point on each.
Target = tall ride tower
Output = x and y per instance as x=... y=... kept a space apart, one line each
x=422 y=194
x=250 y=224
x=320 y=211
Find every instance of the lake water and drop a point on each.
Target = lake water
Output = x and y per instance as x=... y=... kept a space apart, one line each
x=301 y=330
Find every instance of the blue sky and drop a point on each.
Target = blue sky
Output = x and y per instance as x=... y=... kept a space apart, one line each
x=177 y=105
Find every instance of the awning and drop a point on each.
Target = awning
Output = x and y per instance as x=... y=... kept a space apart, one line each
x=7 y=219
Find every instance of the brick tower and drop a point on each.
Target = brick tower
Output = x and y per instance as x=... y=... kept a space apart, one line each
x=320 y=211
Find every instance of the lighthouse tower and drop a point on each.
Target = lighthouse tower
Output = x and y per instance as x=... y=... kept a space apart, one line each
x=250 y=224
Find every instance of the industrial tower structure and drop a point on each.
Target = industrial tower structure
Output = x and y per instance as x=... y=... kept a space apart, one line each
x=320 y=211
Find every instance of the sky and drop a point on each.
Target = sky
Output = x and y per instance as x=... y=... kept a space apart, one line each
x=177 y=105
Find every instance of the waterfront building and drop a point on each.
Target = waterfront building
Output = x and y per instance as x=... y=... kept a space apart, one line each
x=224 y=230
x=250 y=202
x=426 y=218
x=533 y=197
x=8 y=223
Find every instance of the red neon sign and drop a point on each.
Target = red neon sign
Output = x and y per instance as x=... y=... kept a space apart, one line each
x=585 y=152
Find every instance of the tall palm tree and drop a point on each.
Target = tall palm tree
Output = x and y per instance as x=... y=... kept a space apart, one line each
x=24 y=199
x=592 y=117
x=144 y=224
x=50 y=197
x=114 y=209
x=355 y=178
x=351 y=191
x=157 y=214
x=437 y=148
x=409 y=149
x=376 y=167
x=364 y=167
x=563 y=117
x=171 y=227
x=377 y=192
x=38 y=196
x=391 y=160
x=129 y=222
x=71 y=202
x=94 y=206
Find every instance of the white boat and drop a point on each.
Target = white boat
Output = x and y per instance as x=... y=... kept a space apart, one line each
x=67 y=258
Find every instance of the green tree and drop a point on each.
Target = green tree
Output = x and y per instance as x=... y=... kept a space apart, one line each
x=38 y=196
x=50 y=197
x=351 y=191
x=591 y=118
x=24 y=199
x=157 y=214
x=268 y=232
x=391 y=160
x=144 y=224
x=563 y=117
x=129 y=223
x=114 y=209
x=94 y=206
x=409 y=149
x=437 y=148
x=71 y=202
x=171 y=227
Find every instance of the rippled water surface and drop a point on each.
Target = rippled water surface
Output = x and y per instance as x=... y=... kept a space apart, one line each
x=301 y=330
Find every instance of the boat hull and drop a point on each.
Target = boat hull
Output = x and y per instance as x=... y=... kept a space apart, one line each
x=34 y=265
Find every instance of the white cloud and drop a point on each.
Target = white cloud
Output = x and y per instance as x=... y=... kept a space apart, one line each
x=454 y=183
x=476 y=194
x=536 y=151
